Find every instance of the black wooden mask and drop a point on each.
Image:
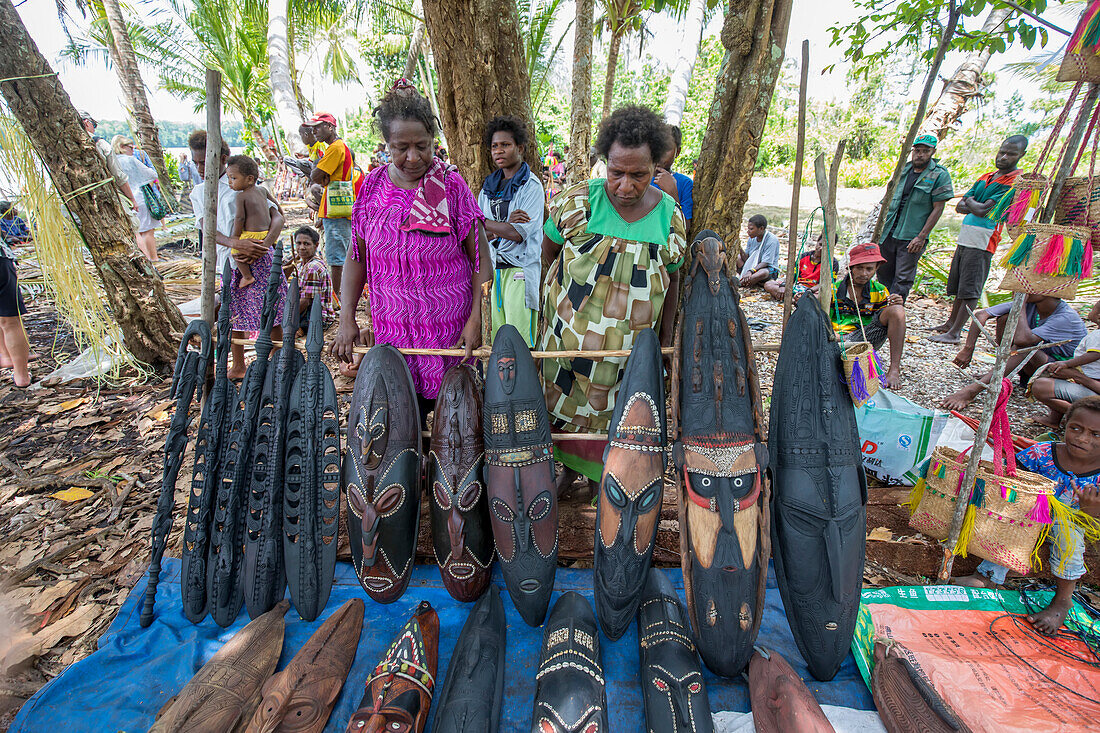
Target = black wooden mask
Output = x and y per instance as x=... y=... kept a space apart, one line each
x=470 y=698
x=820 y=492
x=461 y=534
x=519 y=475
x=673 y=689
x=722 y=462
x=631 y=488
x=381 y=474
x=570 y=697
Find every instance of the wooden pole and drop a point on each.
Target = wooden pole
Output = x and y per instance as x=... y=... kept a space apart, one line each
x=484 y=352
x=210 y=194
x=918 y=118
x=826 y=191
x=800 y=151
x=1004 y=349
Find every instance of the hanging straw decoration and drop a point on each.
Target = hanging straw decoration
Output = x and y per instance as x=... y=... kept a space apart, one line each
x=70 y=281
x=1080 y=62
x=1021 y=202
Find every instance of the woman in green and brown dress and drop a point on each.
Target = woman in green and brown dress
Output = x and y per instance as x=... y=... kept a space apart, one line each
x=611 y=251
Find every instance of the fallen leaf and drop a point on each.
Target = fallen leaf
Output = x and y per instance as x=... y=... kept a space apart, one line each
x=144 y=426
x=23 y=645
x=89 y=420
x=160 y=411
x=73 y=493
x=57 y=409
x=880 y=534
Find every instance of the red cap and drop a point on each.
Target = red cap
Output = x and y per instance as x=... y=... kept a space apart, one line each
x=864 y=253
x=322 y=117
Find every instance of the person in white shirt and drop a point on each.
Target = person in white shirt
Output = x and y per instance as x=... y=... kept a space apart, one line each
x=760 y=260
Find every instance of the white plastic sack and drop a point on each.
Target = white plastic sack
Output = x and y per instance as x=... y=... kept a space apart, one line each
x=844 y=720
x=896 y=436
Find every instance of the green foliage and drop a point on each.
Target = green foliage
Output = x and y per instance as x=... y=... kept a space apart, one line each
x=361 y=135
x=536 y=19
x=173 y=134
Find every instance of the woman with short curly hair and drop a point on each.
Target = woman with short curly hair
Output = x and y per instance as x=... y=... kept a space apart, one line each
x=613 y=247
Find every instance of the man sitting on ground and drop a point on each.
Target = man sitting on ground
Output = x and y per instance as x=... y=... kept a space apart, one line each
x=1044 y=320
x=807 y=278
x=1064 y=382
x=880 y=314
x=759 y=262
x=978 y=238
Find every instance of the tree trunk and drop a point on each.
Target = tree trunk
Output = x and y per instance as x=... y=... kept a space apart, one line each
x=133 y=92
x=612 y=63
x=39 y=103
x=754 y=35
x=282 y=86
x=580 y=117
x=965 y=83
x=482 y=73
x=414 y=52
x=685 y=61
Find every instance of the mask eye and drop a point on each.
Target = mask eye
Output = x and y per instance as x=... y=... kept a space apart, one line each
x=695 y=688
x=442 y=497
x=738 y=482
x=545 y=726
x=660 y=684
x=614 y=493
x=470 y=496
x=650 y=497
x=388 y=501
x=592 y=728
x=502 y=511
x=705 y=481
x=540 y=507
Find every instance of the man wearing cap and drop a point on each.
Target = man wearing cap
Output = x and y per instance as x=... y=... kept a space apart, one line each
x=865 y=310
x=921 y=193
x=336 y=164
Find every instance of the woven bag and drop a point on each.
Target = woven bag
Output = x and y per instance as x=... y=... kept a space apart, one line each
x=1007 y=518
x=1048 y=259
x=1081 y=62
x=861 y=372
x=1019 y=206
x=1078 y=205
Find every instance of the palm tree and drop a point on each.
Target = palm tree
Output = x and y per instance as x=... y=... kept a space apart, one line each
x=619 y=18
x=696 y=15
x=580 y=117
x=536 y=20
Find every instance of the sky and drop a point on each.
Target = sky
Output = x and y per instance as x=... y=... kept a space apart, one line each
x=94 y=88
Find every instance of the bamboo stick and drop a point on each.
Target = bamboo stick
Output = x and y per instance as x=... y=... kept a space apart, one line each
x=826 y=191
x=800 y=151
x=210 y=193
x=484 y=352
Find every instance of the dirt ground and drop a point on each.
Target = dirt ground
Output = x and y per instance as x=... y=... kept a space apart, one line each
x=80 y=472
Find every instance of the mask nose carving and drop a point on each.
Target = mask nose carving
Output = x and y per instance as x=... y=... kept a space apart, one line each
x=455 y=527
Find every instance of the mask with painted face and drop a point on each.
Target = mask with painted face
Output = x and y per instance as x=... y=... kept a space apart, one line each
x=519 y=475
x=470 y=698
x=461 y=534
x=299 y=699
x=781 y=701
x=721 y=460
x=570 y=697
x=226 y=690
x=381 y=474
x=819 y=532
x=673 y=689
x=398 y=697
x=631 y=488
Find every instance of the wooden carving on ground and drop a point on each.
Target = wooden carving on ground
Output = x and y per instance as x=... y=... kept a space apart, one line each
x=906 y=701
x=519 y=475
x=381 y=474
x=299 y=699
x=570 y=696
x=311 y=495
x=223 y=694
x=399 y=691
x=819 y=503
x=780 y=700
x=721 y=461
x=631 y=488
x=461 y=535
x=187 y=380
x=211 y=441
x=264 y=573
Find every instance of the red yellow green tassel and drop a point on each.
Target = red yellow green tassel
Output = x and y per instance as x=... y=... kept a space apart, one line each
x=1086 y=260
x=1052 y=255
x=998 y=212
x=1026 y=199
x=1019 y=252
x=1087 y=33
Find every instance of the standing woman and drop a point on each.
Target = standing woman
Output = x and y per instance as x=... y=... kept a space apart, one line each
x=139 y=175
x=417 y=245
x=613 y=247
x=512 y=201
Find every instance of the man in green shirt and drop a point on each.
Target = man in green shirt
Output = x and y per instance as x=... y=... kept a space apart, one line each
x=920 y=196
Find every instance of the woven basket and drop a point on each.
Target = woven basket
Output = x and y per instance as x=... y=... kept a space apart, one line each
x=1077 y=205
x=1029 y=185
x=1080 y=67
x=1023 y=276
x=858 y=358
x=1002 y=530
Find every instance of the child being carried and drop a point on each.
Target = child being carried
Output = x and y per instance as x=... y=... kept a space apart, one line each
x=253 y=216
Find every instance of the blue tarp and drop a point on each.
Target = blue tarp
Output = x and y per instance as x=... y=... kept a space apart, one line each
x=135 y=671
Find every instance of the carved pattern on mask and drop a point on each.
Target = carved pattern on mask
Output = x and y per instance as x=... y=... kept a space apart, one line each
x=570 y=696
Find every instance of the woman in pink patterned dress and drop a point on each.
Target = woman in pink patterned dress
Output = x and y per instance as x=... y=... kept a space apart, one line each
x=419 y=247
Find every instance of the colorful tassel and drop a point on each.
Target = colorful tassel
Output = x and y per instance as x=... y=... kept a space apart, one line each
x=1052 y=255
x=1041 y=511
x=1021 y=250
x=1008 y=494
x=977 y=496
x=1086 y=263
x=857 y=383
x=998 y=212
x=1073 y=261
x=915 y=496
x=967 y=531
x=1035 y=561
x=1087 y=33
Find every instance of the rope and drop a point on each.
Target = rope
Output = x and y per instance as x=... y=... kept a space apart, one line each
x=32 y=76
x=85 y=189
x=1004 y=460
x=1037 y=637
x=1084 y=143
x=1057 y=127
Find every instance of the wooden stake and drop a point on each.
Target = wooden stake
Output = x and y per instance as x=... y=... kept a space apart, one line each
x=483 y=352
x=953 y=14
x=1004 y=348
x=800 y=150
x=210 y=194
x=826 y=191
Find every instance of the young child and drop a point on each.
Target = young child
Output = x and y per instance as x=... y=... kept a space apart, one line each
x=807 y=276
x=1075 y=466
x=253 y=216
x=863 y=309
x=1063 y=382
x=759 y=261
